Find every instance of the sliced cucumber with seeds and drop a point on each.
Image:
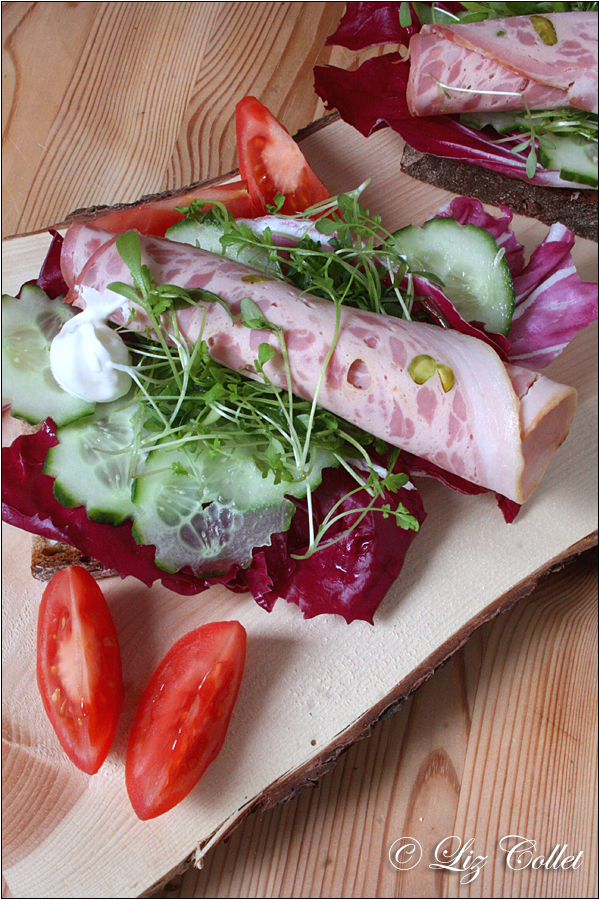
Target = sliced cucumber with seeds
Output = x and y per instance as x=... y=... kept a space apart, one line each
x=192 y=525
x=29 y=323
x=466 y=258
x=199 y=509
x=210 y=512
x=93 y=463
x=207 y=236
x=575 y=158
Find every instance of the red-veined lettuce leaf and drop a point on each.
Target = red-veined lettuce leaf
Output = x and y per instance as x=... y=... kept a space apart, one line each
x=368 y=24
x=350 y=578
x=552 y=302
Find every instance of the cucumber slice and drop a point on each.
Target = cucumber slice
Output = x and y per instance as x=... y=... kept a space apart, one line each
x=502 y=122
x=575 y=158
x=94 y=460
x=190 y=523
x=29 y=323
x=466 y=258
x=209 y=512
x=199 y=509
x=207 y=236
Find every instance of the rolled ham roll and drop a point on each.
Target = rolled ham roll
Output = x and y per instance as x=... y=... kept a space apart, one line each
x=540 y=62
x=439 y=394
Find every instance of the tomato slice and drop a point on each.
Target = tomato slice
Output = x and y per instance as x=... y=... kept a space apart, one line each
x=79 y=666
x=183 y=716
x=155 y=216
x=271 y=161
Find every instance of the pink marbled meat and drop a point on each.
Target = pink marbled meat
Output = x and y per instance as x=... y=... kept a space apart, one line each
x=475 y=430
x=79 y=245
x=508 y=56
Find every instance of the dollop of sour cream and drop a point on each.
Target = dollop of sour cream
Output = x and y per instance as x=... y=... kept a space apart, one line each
x=86 y=354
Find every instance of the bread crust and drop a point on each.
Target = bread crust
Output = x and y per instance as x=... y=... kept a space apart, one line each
x=48 y=557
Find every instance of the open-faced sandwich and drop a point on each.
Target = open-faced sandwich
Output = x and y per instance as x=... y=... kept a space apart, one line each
x=495 y=100
x=244 y=383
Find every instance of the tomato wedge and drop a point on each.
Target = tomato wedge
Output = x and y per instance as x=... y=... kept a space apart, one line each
x=271 y=161
x=79 y=666
x=183 y=716
x=155 y=216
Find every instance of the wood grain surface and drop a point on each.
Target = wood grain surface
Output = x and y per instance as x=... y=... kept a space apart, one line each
x=502 y=740
x=105 y=102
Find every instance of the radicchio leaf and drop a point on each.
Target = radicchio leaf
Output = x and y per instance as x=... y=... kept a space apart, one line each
x=368 y=24
x=350 y=578
x=51 y=278
x=416 y=466
x=552 y=302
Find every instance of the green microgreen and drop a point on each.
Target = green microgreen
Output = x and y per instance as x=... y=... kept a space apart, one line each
x=405 y=15
x=191 y=402
x=343 y=254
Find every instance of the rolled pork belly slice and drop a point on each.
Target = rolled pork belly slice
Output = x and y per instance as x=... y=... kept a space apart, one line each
x=505 y=64
x=493 y=424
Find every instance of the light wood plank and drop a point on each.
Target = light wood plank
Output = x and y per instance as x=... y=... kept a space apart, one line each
x=144 y=97
x=507 y=725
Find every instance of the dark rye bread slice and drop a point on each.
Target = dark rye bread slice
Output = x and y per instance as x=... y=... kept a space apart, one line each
x=578 y=210
x=48 y=557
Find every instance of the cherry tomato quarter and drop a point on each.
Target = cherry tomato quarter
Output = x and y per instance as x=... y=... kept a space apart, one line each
x=271 y=161
x=183 y=716
x=79 y=666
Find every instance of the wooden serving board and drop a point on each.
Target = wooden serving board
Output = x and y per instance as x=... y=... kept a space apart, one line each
x=310 y=687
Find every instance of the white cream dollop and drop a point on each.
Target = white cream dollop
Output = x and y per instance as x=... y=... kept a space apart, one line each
x=86 y=354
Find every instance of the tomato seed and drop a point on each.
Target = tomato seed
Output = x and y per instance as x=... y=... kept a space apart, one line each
x=63 y=708
x=56 y=695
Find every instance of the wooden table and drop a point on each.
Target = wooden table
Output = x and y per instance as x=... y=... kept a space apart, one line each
x=104 y=102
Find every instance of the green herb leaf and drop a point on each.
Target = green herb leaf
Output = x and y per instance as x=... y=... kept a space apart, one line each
x=252 y=316
x=265 y=353
x=405 y=16
x=130 y=250
x=125 y=290
x=275 y=207
x=531 y=164
x=326 y=226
